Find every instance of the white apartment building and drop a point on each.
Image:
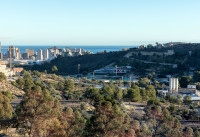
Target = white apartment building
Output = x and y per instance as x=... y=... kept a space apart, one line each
x=173 y=85
x=39 y=55
x=6 y=70
x=46 y=54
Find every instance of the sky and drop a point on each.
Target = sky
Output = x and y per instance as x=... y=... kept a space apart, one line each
x=98 y=22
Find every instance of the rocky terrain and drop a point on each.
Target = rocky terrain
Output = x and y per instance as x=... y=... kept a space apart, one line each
x=5 y=86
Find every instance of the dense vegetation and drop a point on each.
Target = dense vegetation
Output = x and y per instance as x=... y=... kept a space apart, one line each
x=186 y=57
x=2 y=76
x=41 y=114
x=69 y=65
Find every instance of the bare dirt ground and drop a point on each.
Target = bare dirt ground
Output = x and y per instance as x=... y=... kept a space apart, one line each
x=137 y=108
x=5 y=86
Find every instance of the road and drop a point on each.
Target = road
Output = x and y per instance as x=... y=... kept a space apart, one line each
x=66 y=103
x=190 y=123
x=97 y=86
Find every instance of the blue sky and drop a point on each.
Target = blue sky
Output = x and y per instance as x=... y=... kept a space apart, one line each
x=98 y=22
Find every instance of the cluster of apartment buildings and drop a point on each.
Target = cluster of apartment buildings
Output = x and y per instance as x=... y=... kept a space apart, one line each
x=31 y=56
x=51 y=53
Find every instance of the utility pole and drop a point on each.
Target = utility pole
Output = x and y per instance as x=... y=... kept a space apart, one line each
x=116 y=70
x=93 y=74
x=130 y=81
x=79 y=68
x=10 y=58
x=9 y=51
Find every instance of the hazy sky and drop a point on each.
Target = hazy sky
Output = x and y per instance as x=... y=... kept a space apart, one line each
x=98 y=22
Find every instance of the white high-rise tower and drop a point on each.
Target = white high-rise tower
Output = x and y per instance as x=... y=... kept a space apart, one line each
x=46 y=53
x=39 y=55
x=173 y=85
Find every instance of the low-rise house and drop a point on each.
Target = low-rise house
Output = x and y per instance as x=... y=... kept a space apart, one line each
x=17 y=70
x=6 y=71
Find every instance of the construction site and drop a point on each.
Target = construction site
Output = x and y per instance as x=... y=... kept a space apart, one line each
x=6 y=65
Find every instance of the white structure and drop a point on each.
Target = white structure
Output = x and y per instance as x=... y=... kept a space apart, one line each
x=173 y=85
x=39 y=55
x=163 y=92
x=18 y=55
x=46 y=54
x=6 y=70
x=192 y=86
x=169 y=52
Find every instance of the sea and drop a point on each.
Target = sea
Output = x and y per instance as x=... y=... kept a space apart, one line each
x=93 y=49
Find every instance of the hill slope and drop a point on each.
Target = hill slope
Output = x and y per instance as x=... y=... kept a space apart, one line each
x=88 y=63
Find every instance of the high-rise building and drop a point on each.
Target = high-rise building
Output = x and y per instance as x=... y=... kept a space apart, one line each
x=173 y=85
x=1 y=56
x=18 y=54
x=56 y=52
x=12 y=48
x=30 y=52
x=39 y=55
x=25 y=56
x=46 y=53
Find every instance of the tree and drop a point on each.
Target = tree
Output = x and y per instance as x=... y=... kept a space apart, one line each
x=54 y=69
x=5 y=107
x=107 y=121
x=107 y=90
x=151 y=93
x=135 y=125
x=196 y=133
x=37 y=112
x=185 y=80
x=152 y=76
x=179 y=99
x=188 y=132
x=69 y=85
x=94 y=95
x=28 y=83
x=36 y=73
x=118 y=94
x=143 y=82
x=143 y=94
x=60 y=86
x=7 y=94
x=20 y=83
x=196 y=76
x=134 y=93
x=145 y=131
x=2 y=77
x=187 y=100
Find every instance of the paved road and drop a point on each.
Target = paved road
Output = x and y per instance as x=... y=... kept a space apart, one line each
x=189 y=123
x=97 y=86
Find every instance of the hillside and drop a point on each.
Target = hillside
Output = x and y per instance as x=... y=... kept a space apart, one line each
x=88 y=63
x=5 y=86
x=184 y=58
